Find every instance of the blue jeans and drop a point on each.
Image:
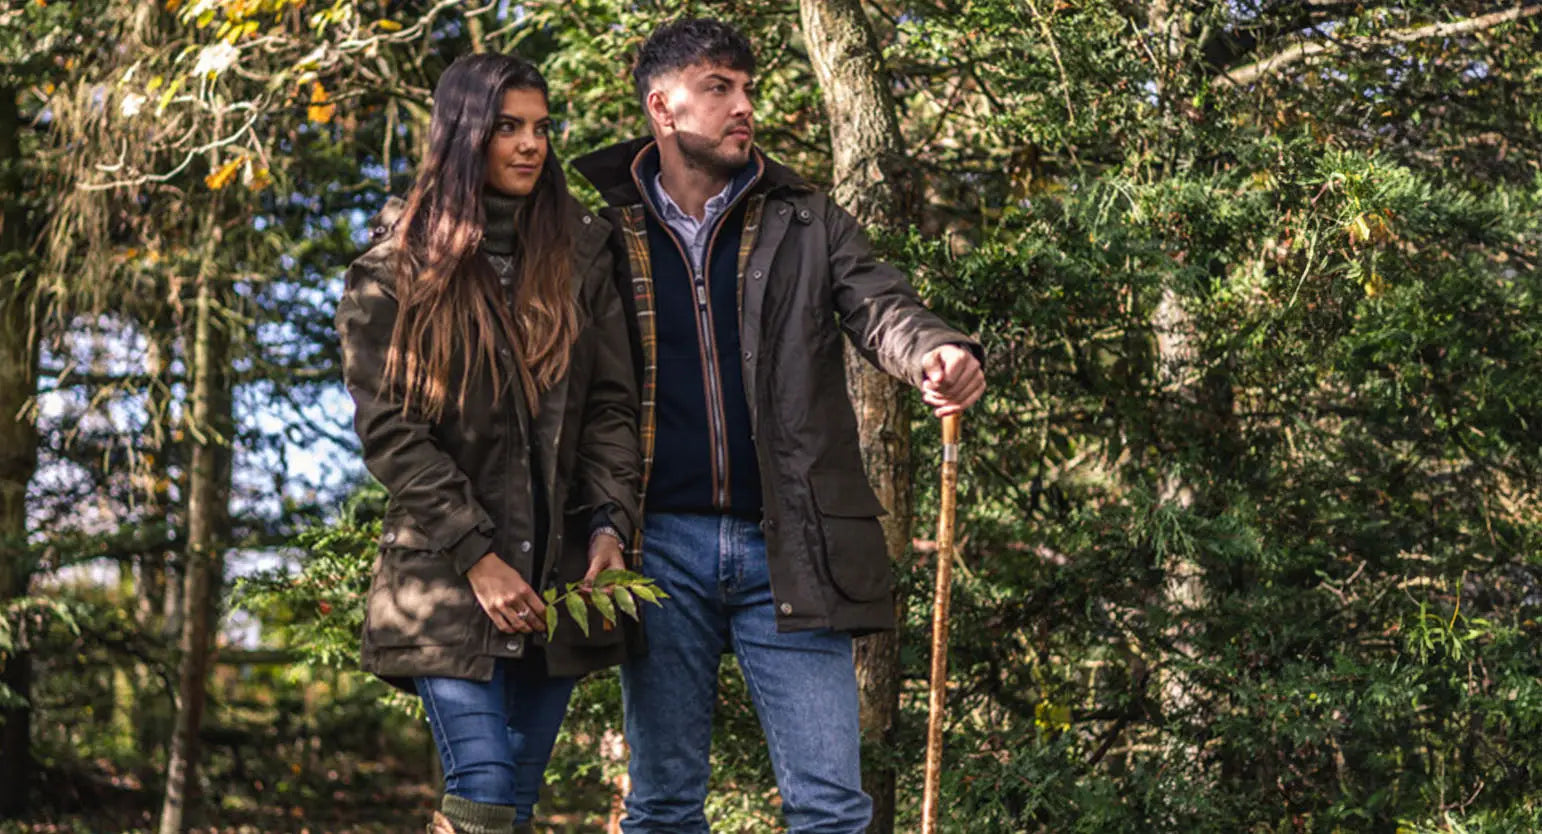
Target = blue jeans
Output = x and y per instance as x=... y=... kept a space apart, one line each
x=495 y=737
x=803 y=685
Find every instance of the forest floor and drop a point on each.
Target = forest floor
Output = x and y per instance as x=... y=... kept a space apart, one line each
x=95 y=798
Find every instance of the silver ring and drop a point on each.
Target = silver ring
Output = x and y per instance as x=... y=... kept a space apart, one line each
x=523 y=613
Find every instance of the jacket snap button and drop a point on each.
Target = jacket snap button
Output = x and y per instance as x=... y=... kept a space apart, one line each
x=803 y=215
x=588 y=220
x=390 y=538
x=782 y=210
x=512 y=645
x=749 y=355
x=758 y=274
x=524 y=547
x=786 y=608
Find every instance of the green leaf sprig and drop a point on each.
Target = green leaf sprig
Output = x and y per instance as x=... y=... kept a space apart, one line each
x=612 y=591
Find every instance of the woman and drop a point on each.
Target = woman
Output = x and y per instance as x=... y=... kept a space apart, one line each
x=485 y=350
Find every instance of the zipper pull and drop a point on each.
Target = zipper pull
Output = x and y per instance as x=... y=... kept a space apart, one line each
x=701 y=295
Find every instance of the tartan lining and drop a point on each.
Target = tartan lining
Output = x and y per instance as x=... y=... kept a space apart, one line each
x=635 y=232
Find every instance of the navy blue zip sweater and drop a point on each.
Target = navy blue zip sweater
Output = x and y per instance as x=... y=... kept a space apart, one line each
x=703 y=459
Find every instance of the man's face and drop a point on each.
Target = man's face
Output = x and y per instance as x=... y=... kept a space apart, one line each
x=710 y=111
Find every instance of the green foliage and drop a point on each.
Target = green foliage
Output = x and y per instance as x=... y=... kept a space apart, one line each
x=611 y=590
x=319 y=611
x=1250 y=518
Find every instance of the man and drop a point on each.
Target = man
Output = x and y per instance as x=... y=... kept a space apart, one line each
x=759 y=522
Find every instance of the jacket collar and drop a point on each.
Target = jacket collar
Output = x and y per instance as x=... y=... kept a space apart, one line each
x=610 y=170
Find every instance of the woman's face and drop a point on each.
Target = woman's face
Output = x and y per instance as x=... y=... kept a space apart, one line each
x=518 y=147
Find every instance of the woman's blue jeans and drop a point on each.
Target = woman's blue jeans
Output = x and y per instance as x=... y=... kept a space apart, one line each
x=495 y=737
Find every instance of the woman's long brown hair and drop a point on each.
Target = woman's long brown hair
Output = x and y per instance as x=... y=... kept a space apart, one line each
x=451 y=306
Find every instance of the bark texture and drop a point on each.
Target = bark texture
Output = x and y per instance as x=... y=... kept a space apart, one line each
x=18 y=453
x=207 y=528
x=871 y=182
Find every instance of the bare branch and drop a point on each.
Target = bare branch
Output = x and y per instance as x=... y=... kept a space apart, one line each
x=1250 y=73
x=186 y=161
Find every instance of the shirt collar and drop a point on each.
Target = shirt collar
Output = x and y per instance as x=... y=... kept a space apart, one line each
x=672 y=212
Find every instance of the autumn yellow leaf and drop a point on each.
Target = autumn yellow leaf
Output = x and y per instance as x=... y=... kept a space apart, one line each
x=321 y=108
x=257 y=178
x=389 y=25
x=221 y=178
x=172 y=5
x=1374 y=285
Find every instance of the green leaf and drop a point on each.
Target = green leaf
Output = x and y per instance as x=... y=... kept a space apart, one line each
x=551 y=616
x=603 y=604
x=578 y=612
x=646 y=593
x=550 y=595
x=616 y=577
x=625 y=602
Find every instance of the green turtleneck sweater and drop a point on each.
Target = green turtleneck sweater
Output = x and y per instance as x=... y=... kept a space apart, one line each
x=498 y=236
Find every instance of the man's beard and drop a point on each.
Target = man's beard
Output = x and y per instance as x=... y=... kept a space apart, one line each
x=702 y=154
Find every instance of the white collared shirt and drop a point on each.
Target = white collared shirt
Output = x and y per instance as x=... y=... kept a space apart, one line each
x=692 y=231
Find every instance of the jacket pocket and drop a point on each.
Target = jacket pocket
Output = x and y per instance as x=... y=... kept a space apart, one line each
x=855 y=555
x=419 y=599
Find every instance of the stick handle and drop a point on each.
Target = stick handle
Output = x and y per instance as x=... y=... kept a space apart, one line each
x=941 y=599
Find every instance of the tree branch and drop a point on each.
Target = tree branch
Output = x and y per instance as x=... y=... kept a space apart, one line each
x=1250 y=73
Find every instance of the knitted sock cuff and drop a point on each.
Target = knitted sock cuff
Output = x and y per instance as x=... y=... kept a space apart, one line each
x=477 y=817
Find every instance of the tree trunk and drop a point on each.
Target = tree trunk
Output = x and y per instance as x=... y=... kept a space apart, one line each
x=18 y=453
x=156 y=586
x=871 y=182
x=207 y=522
x=154 y=566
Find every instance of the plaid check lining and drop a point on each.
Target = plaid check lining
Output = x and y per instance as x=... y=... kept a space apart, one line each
x=635 y=231
x=747 y=240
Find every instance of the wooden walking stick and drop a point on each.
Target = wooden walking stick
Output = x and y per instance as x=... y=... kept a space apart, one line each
x=941 y=598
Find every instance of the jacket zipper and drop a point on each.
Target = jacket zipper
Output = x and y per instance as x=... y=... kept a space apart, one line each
x=717 y=418
x=715 y=384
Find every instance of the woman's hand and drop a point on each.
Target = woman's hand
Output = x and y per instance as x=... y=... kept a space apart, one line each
x=508 y=599
x=604 y=554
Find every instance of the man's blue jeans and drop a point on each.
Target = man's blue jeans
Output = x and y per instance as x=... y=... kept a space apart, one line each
x=494 y=738
x=802 y=683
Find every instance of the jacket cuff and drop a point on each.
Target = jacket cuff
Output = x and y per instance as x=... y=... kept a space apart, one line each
x=610 y=515
x=604 y=516
x=470 y=549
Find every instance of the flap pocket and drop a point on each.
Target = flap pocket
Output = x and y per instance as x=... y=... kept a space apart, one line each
x=419 y=599
x=845 y=494
x=855 y=556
